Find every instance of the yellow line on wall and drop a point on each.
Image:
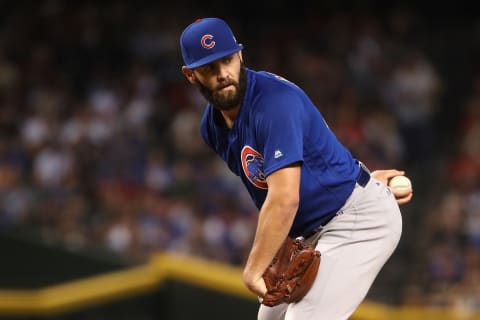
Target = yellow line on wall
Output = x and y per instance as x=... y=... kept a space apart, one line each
x=99 y=289
x=79 y=293
x=211 y=275
x=92 y=291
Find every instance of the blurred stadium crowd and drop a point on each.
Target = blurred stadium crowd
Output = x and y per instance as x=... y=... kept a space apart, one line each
x=100 y=150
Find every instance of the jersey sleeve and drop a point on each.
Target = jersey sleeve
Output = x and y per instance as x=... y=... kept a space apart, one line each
x=280 y=126
x=208 y=130
x=205 y=130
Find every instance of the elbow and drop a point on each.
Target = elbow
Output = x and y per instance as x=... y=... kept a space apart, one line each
x=289 y=208
x=294 y=203
x=280 y=210
x=290 y=203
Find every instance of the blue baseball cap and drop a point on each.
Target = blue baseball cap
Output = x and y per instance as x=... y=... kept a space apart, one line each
x=207 y=40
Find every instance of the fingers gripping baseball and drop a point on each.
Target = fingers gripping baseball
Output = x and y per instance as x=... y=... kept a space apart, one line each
x=403 y=199
x=385 y=175
x=397 y=182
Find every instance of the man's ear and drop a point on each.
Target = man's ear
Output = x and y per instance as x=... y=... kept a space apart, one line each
x=240 y=56
x=189 y=75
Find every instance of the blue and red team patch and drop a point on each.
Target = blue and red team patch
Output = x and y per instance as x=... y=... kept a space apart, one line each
x=252 y=165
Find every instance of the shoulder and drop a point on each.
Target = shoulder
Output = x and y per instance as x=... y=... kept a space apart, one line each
x=270 y=81
x=273 y=89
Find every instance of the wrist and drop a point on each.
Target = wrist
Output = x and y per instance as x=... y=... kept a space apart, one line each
x=249 y=276
x=255 y=283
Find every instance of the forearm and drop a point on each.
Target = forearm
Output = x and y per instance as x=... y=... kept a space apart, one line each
x=274 y=222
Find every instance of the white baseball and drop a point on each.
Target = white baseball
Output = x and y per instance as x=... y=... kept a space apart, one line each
x=400 y=182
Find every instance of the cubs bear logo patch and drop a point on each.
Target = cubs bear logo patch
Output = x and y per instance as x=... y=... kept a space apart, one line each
x=252 y=165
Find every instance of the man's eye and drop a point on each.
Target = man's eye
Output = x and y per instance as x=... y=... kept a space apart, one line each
x=206 y=69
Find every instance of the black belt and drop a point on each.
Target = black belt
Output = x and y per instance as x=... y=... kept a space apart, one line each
x=363 y=176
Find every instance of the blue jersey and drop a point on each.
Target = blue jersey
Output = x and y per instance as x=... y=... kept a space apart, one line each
x=278 y=125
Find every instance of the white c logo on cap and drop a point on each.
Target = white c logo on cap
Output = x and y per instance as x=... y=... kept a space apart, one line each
x=209 y=44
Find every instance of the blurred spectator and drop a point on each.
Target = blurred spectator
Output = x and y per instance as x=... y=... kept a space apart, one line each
x=413 y=98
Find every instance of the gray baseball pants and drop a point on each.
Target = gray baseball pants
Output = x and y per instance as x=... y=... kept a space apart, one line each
x=354 y=246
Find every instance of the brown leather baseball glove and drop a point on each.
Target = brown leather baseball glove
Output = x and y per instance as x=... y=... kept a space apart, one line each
x=291 y=272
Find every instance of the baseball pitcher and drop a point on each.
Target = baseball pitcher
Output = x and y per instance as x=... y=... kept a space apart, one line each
x=305 y=183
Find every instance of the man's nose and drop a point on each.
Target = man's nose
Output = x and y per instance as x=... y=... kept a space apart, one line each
x=222 y=73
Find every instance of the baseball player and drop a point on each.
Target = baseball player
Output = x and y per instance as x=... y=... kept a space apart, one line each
x=304 y=182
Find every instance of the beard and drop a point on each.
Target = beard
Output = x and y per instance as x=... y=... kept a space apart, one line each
x=229 y=100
